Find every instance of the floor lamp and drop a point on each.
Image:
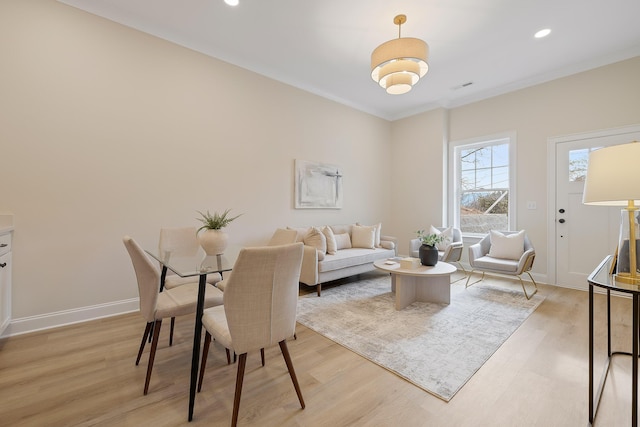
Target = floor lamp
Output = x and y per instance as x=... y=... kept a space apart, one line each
x=613 y=179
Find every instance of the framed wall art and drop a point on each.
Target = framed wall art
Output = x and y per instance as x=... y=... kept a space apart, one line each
x=317 y=185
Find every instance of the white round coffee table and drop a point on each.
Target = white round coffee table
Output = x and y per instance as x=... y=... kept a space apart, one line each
x=430 y=284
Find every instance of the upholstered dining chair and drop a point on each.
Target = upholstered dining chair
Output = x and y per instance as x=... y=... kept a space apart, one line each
x=259 y=310
x=156 y=306
x=181 y=241
x=505 y=253
x=449 y=250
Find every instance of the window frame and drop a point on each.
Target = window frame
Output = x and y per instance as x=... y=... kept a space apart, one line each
x=454 y=176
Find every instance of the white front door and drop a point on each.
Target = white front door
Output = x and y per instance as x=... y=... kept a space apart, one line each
x=584 y=235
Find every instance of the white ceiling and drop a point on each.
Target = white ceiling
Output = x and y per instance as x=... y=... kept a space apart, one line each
x=324 y=46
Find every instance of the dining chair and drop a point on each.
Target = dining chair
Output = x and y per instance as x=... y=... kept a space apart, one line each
x=180 y=241
x=156 y=306
x=259 y=309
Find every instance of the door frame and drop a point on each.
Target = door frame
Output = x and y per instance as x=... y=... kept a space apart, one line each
x=552 y=207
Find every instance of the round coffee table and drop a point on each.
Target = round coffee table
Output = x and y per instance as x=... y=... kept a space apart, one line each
x=429 y=284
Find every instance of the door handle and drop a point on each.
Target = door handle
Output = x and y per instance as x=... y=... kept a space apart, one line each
x=561 y=220
x=3 y=265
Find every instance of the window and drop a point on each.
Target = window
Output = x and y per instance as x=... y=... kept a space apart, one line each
x=482 y=184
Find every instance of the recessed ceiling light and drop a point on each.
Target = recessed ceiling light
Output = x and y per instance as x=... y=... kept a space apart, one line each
x=542 y=33
x=232 y=2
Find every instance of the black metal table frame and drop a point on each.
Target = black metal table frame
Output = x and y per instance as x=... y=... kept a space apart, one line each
x=197 y=333
x=594 y=401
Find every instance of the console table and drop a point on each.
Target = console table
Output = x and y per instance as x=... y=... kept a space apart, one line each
x=602 y=278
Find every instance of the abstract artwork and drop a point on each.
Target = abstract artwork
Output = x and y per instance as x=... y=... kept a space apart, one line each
x=317 y=185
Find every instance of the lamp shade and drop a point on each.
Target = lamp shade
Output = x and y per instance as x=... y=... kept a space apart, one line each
x=613 y=178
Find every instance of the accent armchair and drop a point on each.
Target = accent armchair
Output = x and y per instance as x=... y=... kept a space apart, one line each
x=506 y=253
x=448 y=251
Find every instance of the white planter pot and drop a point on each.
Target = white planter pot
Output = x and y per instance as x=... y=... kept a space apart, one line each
x=213 y=242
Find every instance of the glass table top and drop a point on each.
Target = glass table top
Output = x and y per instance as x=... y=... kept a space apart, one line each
x=188 y=265
x=603 y=278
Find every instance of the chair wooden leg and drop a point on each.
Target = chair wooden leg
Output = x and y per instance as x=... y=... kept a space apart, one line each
x=147 y=331
x=152 y=353
x=292 y=372
x=319 y=288
x=239 y=378
x=262 y=355
x=173 y=322
x=203 y=362
x=228 y=356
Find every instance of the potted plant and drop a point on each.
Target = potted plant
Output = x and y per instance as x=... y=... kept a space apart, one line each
x=213 y=240
x=428 y=251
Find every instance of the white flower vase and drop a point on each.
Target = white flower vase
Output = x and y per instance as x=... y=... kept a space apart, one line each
x=213 y=242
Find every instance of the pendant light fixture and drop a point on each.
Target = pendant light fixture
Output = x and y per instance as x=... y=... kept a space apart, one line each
x=399 y=64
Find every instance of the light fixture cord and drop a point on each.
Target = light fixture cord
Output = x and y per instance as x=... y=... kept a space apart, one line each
x=399 y=28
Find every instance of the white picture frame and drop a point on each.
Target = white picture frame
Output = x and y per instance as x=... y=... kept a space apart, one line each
x=317 y=185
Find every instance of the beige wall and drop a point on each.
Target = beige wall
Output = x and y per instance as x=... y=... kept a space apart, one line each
x=602 y=98
x=106 y=131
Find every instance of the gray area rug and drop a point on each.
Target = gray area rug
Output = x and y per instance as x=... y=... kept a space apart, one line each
x=437 y=347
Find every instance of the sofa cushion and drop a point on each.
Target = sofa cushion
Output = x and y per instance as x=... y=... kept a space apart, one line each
x=496 y=265
x=341 y=229
x=331 y=240
x=363 y=236
x=350 y=257
x=343 y=241
x=507 y=247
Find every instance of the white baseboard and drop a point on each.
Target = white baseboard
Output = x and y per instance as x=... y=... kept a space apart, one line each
x=67 y=317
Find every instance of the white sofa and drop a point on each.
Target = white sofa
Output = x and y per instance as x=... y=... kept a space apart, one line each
x=352 y=250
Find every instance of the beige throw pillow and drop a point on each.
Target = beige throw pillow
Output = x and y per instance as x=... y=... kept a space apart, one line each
x=378 y=228
x=363 y=236
x=343 y=241
x=283 y=237
x=316 y=239
x=302 y=231
x=507 y=247
x=331 y=240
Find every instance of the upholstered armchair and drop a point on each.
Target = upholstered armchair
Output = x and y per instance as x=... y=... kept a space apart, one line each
x=503 y=252
x=448 y=251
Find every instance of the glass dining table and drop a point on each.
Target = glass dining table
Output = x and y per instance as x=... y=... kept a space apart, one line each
x=195 y=265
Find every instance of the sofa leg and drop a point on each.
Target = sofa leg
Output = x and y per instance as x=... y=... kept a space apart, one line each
x=319 y=288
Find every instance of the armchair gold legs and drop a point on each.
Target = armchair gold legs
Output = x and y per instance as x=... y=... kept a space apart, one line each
x=524 y=289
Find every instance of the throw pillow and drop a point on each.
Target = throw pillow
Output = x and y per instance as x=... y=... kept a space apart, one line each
x=331 y=240
x=385 y=244
x=363 y=236
x=378 y=228
x=506 y=247
x=302 y=231
x=316 y=239
x=448 y=237
x=343 y=241
x=283 y=237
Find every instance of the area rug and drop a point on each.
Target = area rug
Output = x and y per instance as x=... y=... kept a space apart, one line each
x=437 y=347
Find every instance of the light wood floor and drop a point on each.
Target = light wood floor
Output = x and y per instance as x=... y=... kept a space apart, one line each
x=84 y=375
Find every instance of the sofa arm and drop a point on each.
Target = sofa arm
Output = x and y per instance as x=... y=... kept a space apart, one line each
x=309 y=269
x=390 y=239
x=414 y=246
